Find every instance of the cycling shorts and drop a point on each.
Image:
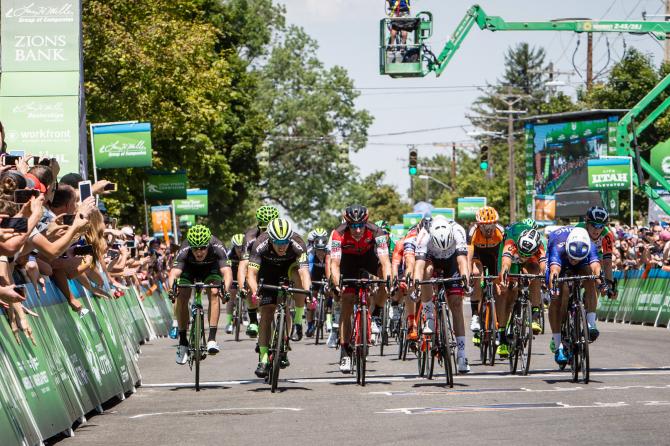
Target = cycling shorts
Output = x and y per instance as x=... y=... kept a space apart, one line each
x=206 y=273
x=488 y=257
x=273 y=275
x=446 y=268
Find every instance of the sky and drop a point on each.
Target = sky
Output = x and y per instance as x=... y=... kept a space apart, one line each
x=348 y=35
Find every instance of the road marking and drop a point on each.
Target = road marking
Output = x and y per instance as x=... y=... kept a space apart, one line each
x=509 y=390
x=497 y=408
x=227 y=409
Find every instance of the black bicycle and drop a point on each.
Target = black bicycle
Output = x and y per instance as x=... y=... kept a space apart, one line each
x=488 y=322
x=197 y=348
x=238 y=309
x=320 y=312
x=279 y=342
x=443 y=342
x=574 y=328
x=519 y=331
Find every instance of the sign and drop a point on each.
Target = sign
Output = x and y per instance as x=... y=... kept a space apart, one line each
x=660 y=160
x=398 y=231
x=121 y=145
x=545 y=209
x=161 y=218
x=166 y=185
x=187 y=220
x=40 y=35
x=609 y=173
x=448 y=213
x=45 y=126
x=409 y=220
x=196 y=203
x=468 y=206
x=656 y=213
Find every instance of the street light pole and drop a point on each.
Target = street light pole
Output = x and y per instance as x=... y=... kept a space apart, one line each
x=428 y=177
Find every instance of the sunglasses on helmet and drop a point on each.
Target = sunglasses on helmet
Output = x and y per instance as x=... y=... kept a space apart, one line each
x=356 y=225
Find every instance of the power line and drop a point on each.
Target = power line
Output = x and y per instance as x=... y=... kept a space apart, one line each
x=434 y=129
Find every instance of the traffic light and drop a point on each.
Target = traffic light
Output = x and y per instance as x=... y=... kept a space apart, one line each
x=484 y=158
x=413 y=161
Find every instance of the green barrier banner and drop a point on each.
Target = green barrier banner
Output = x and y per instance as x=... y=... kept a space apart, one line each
x=186 y=221
x=609 y=173
x=40 y=35
x=196 y=203
x=398 y=230
x=659 y=159
x=468 y=207
x=121 y=145
x=448 y=213
x=166 y=185
x=409 y=220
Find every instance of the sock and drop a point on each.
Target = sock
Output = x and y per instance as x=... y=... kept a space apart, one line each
x=229 y=319
x=253 y=317
x=174 y=323
x=336 y=314
x=263 y=355
x=212 y=334
x=460 y=340
x=297 y=319
x=344 y=350
x=591 y=319
x=183 y=340
x=557 y=340
x=474 y=306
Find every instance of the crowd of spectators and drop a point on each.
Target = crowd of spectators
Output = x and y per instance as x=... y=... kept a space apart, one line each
x=46 y=230
x=641 y=247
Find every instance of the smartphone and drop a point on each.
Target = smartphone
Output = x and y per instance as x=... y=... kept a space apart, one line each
x=9 y=160
x=24 y=195
x=20 y=289
x=19 y=224
x=110 y=187
x=19 y=153
x=83 y=250
x=68 y=219
x=84 y=190
x=133 y=252
x=45 y=162
x=130 y=244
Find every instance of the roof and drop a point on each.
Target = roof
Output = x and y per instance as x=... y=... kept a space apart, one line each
x=577 y=116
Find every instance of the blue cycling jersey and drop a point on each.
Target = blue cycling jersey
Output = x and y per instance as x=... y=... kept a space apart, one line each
x=557 y=254
x=317 y=268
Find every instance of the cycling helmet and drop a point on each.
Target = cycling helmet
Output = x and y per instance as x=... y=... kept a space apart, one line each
x=237 y=240
x=426 y=222
x=321 y=243
x=529 y=222
x=316 y=232
x=598 y=215
x=441 y=233
x=265 y=214
x=384 y=225
x=198 y=236
x=356 y=214
x=279 y=229
x=529 y=242
x=486 y=215
x=578 y=244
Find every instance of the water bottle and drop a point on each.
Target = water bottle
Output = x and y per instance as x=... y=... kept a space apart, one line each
x=174 y=331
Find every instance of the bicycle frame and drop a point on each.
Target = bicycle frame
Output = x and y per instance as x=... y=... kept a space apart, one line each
x=520 y=324
x=488 y=322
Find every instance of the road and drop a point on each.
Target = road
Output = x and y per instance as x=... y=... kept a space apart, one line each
x=628 y=399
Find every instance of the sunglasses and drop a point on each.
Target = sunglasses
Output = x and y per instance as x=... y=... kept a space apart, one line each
x=280 y=242
x=597 y=225
x=200 y=248
x=356 y=225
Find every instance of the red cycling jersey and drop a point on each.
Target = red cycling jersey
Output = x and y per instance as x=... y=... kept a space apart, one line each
x=344 y=243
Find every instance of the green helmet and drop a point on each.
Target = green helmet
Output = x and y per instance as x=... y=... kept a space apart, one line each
x=198 y=236
x=237 y=240
x=265 y=214
x=529 y=222
x=384 y=225
x=279 y=229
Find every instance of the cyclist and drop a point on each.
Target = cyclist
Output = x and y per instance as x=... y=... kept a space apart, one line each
x=264 y=215
x=234 y=256
x=356 y=246
x=595 y=223
x=317 y=271
x=271 y=258
x=484 y=241
x=570 y=252
x=521 y=252
x=313 y=234
x=201 y=258
x=442 y=251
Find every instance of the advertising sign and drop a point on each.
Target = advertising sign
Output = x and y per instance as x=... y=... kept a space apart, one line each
x=196 y=203
x=448 y=213
x=166 y=185
x=161 y=219
x=468 y=206
x=121 y=145
x=609 y=173
x=545 y=209
x=409 y=220
x=660 y=160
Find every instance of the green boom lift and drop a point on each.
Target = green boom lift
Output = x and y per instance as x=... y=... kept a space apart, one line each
x=412 y=58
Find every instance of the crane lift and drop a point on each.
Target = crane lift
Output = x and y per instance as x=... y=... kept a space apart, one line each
x=409 y=56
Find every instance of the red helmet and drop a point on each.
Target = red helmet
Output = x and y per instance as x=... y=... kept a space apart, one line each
x=355 y=214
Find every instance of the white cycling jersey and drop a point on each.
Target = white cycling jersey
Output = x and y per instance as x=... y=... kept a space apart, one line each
x=425 y=247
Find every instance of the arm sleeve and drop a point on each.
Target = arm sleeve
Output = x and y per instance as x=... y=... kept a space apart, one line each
x=336 y=246
x=422 y=240
x=381 y=243
x=509 y=249
x=300 y=250
x=255 y=257
x=461 y=241
x=220 y=253
x=608 y=245
x=593 y=254
x=180 y=259
x=554 y=255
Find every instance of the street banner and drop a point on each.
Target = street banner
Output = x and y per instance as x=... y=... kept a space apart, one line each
x=398 y=231
x=166 y=185
x=161 y=217
x=659 y=158
x=655 y=213
x=40 y=35
x=609 y=173
x=545 y=209
x=448 y=213
x=196 y=203
x=468 y=206
x=409 y=220
x=121 y=145
x=187 y=220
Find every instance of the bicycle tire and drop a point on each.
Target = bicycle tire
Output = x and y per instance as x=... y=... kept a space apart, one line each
x=401 y=343
x=565 y=336
x=453 y=345
x=198 y=334
x=364 y=345
x=279 y=344
x=318 y=320
x=431 y=352
x=445 y=347
x=513 y=345
x=584 y=358
x=526 y=339
x=420 y=352
x=237 y=316
x=542 y=318
x=384 y=327
x=493 y=330
x=483 y=333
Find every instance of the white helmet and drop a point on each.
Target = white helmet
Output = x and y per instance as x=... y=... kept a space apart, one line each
x=441 y=233
x=578 y=244
x=529 y=242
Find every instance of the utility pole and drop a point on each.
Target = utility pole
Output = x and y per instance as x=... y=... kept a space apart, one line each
x=589 y=60
x=511 y=100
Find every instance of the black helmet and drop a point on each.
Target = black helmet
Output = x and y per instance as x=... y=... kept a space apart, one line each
x=598 y=215
x=356 y=214
x=426 y=222
x=320 y=243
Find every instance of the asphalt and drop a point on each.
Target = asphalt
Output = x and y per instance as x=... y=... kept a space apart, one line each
x=626 y=402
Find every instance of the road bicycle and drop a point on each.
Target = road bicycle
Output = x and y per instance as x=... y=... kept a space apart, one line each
x=238 y=311
x=519 y=331
x=320 y=311
x=488 y=341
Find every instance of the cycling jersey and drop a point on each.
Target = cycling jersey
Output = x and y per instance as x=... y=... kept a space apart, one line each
x=477 y=239
x=426 y=249
x=604 y=243
x=558 y=255
x=216 y=255
x=317 y=268
x=510 y=251
x=262 y=253
x=374 y=239
x=234 y=260
x=409 y=242
x=250 y=236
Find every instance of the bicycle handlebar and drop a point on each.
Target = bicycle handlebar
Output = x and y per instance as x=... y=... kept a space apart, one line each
x=198 y=285
x=284 y=288
x=576 y=278
x=319 y=283
x=441 y=281
x=363 y=282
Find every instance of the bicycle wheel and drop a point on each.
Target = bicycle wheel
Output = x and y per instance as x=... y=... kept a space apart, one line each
x=582 y=334
x=542 y=321
x=493 y=330
x=384 y=327
x=431 y=352
x=278 y=343
x=513 y=340
x=197 y=329
x=420 y=350
x=237 y=316
x=402 y=339
x=318 y=320
x=363 y=347
x=453 y=345
x=566 y=336
x=525 y=342
x=444 y=346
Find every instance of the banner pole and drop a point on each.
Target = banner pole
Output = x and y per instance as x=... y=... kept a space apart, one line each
x=631 y=193
x=95 y=167
x=174 y=225
x=146 y=211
